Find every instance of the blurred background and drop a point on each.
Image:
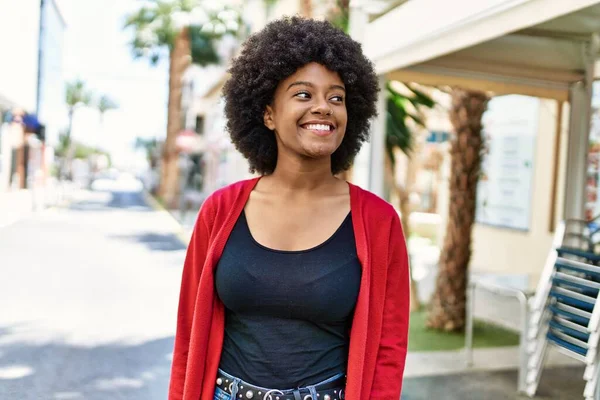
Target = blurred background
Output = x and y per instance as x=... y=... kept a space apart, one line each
x=112 y=134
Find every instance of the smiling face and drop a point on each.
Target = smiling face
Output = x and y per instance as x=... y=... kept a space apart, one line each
x=308 y=113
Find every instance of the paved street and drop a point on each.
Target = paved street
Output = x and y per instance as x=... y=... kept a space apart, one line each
x=89 y=298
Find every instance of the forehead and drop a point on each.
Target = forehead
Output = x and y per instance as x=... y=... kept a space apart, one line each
x=313 y=73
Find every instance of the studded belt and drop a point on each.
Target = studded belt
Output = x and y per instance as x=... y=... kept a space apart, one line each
x=332 y=389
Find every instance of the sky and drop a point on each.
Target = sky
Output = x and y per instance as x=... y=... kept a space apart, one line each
x=96 y=50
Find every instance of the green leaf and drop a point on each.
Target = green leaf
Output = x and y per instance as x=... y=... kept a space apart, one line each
x=105 y=103
x=417 y=119
x=154 y=30
x=398 y=133
x=76 y=93
x=421 y=99
x=202 y=47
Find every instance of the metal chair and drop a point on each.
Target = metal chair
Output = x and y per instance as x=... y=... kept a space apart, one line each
x=564 y=312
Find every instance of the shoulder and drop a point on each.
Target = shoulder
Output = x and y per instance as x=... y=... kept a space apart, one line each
x=374 y=207
x=226 y=197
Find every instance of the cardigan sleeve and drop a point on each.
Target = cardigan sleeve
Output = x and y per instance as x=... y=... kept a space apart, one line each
x=391 y=356
x=192 y=269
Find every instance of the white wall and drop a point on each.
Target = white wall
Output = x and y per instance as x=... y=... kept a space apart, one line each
x=19 y=31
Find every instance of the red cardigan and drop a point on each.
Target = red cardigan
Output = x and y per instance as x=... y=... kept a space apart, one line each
x=378 y=337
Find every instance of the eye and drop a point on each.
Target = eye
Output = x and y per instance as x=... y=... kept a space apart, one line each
x=339 y=99
x=303 y=95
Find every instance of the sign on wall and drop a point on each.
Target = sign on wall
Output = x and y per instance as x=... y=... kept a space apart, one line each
x=505 y=185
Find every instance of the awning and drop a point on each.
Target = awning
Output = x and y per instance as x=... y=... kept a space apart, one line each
x=31 y=122
x=532 y=47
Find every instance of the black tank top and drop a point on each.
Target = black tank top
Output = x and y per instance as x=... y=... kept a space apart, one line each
x=287 y=313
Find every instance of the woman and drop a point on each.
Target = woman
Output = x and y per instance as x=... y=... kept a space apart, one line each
x=295 y=285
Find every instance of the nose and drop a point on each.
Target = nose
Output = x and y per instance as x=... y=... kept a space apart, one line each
x=322 y=108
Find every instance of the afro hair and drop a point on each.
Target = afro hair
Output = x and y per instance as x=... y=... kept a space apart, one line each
x=272 y=55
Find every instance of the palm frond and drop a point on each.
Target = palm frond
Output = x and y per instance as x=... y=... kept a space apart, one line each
x=76 y=93
x=420 y=98
x=156 y=26
x=401 y=108
x=202 y=47
x=105 y=103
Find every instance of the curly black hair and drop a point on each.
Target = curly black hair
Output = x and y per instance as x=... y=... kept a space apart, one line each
x=272 y=55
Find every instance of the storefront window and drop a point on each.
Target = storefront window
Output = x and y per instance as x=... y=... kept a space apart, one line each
x=592 y=205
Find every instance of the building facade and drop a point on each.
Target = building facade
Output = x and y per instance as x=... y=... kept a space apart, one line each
x=505 y=48
x=30 y=84
x=50 y=107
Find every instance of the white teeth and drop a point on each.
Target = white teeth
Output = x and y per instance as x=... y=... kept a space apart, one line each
x=318 y=127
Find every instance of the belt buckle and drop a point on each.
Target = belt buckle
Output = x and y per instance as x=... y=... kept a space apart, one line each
x=268 y=395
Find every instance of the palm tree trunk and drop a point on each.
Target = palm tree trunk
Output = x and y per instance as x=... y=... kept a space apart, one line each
x=101 y=131
x=447 y=307
x=179 y=61
x=71 y=112
x=65 y=168
x=306 y=8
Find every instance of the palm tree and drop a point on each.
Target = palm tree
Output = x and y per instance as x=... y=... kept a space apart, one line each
x=404 y=115
x=306 y=8
x=185 y=33
x=339 y=14
x=105 y=104
x=76 y=95
x=447 y=307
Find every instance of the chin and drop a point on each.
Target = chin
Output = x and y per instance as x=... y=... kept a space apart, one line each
x=319 y=151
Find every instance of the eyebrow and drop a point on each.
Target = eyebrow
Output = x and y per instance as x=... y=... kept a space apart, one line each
x=304 y=83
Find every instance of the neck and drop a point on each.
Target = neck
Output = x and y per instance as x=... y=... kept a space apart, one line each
x=302 y=175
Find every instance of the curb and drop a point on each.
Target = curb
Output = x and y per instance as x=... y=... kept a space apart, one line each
x=154 y=204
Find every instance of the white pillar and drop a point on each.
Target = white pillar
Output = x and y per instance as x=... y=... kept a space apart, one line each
x=358 y=21
x=578 y=140
x=577 y=152
x=376 y=173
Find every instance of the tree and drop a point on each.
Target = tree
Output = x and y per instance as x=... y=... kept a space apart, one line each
x=339 y=14
x=184 y=32
x=306 y=8
x=105 y=104
x=404 y=115
x=447 y=307
x=76 y=95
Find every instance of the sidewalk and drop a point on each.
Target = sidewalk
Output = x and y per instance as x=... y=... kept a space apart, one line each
x=22 y=203
x=557 y=383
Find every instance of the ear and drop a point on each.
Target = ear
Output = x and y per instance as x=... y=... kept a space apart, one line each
x=268 y=118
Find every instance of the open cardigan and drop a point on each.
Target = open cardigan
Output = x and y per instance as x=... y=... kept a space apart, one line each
x=378 y=337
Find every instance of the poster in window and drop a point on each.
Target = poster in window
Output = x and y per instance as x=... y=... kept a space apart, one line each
x=504 y=192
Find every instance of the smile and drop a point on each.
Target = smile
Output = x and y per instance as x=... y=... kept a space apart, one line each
x=321 y=128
